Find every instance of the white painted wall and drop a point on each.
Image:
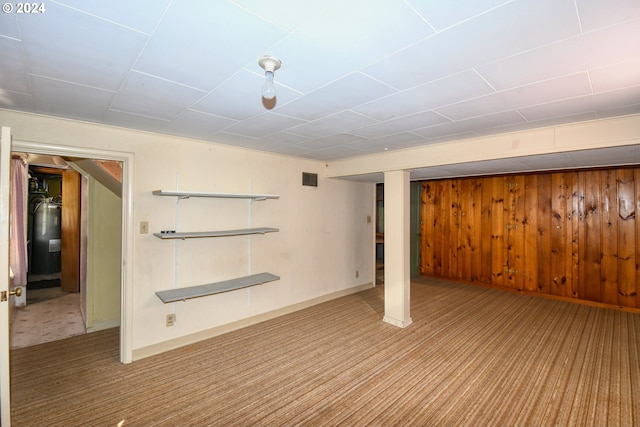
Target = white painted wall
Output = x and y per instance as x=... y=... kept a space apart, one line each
x=324 y=235
x=103 y=257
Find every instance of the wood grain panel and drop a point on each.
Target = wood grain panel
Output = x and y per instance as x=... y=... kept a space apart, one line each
x=609 y=273
x=557 y=232
x=626 y=238
x=581 y=291
x=517 y=232
x=427 y=229
x=70 y=225
x=475 y=223
x=486 y=220
x=593 y=236
x=530 y=226
x=510 y=225
x=498 y=228
x=451 y=230
x=544 y=233
x=574 y=235
x=570 y=234
x=465 y=229
x=438 y=228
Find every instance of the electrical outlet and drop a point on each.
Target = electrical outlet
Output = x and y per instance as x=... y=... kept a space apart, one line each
x=171 y=320
x=144 y=227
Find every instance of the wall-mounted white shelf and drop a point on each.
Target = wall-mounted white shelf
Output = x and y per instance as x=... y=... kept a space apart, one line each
x=221 y=233
x=183 y=294
x=188 y=194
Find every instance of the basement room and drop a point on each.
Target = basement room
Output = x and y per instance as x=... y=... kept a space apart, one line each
x=320 y=213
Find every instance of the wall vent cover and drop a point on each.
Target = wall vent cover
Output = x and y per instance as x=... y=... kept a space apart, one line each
x=310 y=179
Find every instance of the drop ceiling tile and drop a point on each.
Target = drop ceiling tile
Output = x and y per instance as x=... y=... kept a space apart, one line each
x=577 y=54
x=334 y=153
x=505 y=31
x=492 y=167
x=603 y=157
x=16 y=101
x=258 y=144
x=594 y=16
x=240 y=97
x=342 y=139
x=197 y=125
x=293 y=150
x=133 y=121
x=474 y=124
x=141 y=15
x=343 y=121
x=230 y=138
x=410 y=122
x=322 y=87
x=444 y=136
x=262 y=125
x=282 y=139
x=583 y=104
x=366 y=177
x=619 y=111
x=289 y=14
x=527 y=125
x=616 y=76
x=12 y=72
x=146 y=95
x=210 y=29
x=9 y=25
x=443 y=14
x=545 y=162
x=394 y=141
x=533 y=94
x=89 y=51
x=69 y=100
x=343 y=94
x=353 y=34
x=439 y=172
x=456 y=88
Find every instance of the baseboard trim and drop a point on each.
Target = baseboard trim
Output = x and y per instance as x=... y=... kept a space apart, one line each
x=162 y=347
x=397 y=322
x=100 y=326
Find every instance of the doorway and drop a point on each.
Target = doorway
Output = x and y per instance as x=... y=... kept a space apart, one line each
x=74 y=218
x=415 y=230
x=125 y=237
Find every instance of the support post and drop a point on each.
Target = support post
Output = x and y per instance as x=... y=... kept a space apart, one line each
x=397 y=248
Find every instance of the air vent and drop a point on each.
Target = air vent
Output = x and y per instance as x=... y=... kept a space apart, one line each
x=310 y=179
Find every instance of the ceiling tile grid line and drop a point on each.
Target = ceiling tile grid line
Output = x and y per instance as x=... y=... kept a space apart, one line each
x=357 y=77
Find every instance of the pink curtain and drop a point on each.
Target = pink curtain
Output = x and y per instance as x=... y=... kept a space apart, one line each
x=18 y=222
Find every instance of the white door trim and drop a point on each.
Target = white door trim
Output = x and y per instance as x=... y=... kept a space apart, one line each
x=5 y=281
x=127 y=159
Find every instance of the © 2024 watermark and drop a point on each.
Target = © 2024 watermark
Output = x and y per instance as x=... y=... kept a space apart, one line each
x=23 y=8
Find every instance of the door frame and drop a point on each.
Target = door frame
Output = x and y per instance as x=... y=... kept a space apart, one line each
x=126 y=279
x=5 y=281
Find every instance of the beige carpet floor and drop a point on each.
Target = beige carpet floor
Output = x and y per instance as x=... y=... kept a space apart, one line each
x=473 y=357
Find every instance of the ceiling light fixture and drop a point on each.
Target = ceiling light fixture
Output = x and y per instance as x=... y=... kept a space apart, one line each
x=270 y=64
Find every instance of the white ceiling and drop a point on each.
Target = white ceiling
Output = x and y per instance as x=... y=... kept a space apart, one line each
x=358 y=76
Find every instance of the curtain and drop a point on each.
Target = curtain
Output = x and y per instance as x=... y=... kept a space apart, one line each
x=18 y=222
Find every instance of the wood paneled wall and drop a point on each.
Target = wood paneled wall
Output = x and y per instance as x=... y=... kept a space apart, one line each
x=571 y=234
